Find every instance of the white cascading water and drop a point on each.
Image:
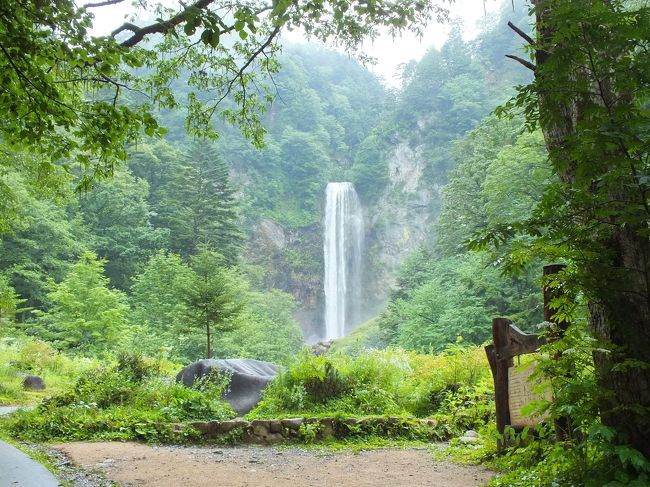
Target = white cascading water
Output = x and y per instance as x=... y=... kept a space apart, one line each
x=343 y=245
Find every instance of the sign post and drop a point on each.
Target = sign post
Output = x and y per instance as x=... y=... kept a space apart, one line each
x=509 y=387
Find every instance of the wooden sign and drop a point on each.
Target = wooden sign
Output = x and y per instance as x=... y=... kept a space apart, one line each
x=509 y=341
x=521 y=392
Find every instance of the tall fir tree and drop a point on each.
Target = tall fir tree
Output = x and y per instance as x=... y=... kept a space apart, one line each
x=203 y=208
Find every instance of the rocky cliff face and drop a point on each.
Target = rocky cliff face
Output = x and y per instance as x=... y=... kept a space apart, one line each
x=401 y=221
x=293 y=262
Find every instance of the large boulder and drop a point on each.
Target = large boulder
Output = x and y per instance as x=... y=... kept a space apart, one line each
x=248 y=377
x=33 y=382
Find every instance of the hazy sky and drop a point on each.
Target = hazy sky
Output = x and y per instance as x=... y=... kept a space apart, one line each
x=390 y=53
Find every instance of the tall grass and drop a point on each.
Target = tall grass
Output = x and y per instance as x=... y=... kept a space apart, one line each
x=133 y=398
x=456 y=384
x=29 y=356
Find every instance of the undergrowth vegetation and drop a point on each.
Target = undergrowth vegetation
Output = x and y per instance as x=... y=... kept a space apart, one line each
x=29 y=356
x=136 y=398
x=132 y=399
x=585 y=453
x=454 y=386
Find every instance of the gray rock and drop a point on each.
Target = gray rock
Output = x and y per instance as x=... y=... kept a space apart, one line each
x=470 y=437
x=248 y=378
x=33 y=382
x=468 y=440
x=291 y=423
x=271 y=234
x=226 y=426
x=327 y=428
x=260 y=428
x=205 y=428
x=321 y=348
x=275 y=426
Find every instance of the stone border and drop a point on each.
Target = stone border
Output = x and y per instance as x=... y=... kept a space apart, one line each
x=270 y=431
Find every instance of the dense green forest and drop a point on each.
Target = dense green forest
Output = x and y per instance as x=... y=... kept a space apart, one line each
x=158 y=208
x=131 y=241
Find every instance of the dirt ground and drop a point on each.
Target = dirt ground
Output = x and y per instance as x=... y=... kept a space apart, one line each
x=133 y=464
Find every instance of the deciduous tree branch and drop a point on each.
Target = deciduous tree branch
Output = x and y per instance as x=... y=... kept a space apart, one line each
x=101 y=4
x=250 y=60
x=522 y=34
x=528 y=64
x=139 y=33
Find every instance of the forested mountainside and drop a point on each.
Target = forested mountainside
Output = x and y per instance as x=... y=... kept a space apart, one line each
x=129 y=252
x=408 y=152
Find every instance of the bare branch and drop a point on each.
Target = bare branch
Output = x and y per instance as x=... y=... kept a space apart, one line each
x=101 y=4
x=522 y=34
x=528 y=64
x=261 y=49
x=117 y=95
x=163 y=27
x=250 y=60
x=125 y=26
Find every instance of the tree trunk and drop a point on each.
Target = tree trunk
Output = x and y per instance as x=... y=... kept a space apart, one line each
x=621 y=318
x=615 y=267
x=209 y=335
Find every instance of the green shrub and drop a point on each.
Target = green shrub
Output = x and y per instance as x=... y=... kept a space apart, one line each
x=131 y=400
x=135 y=366
x=36 y=357
x=592 y=461
x=455 y=387
x=588 y=453
x=309 y=432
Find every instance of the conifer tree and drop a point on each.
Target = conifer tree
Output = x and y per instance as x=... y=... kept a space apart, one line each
x=202 y=206
x=215 y=297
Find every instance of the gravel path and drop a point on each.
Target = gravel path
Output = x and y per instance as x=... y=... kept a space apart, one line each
x=8 y=409
x=134 y=464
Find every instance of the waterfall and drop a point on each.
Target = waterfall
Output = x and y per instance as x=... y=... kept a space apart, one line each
x=343 y=245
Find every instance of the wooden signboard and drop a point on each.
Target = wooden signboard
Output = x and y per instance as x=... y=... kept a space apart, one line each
x=510 y=385
x=521 y=392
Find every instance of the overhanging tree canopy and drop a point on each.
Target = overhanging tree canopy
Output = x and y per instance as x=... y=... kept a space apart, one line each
x=67 y=94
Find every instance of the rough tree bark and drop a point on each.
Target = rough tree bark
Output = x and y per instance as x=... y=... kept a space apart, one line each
x=617 y=279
